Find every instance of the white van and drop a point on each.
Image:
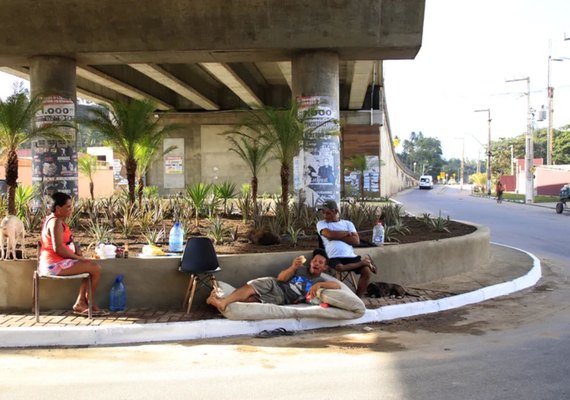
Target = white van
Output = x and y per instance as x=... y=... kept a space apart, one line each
x=426 y=182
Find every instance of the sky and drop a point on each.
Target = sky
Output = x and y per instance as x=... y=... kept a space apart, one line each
x=469 y=49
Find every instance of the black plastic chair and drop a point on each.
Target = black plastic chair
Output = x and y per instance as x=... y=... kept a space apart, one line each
x=199 y=259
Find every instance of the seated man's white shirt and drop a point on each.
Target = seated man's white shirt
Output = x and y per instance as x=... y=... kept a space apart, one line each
x=337 y=248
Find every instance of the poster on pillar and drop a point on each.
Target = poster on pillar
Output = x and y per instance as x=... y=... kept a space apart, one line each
x=371 y=176
x=317 y=167
x=54 y=162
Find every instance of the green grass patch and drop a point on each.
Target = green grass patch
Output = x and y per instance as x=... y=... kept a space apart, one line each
x=537 y=199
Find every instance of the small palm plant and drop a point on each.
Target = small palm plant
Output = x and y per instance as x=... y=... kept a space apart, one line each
x=198 y=195
x=87 y=165
x=360 y=164
x=128 y=127
x=254 y=152
x=24 y=197
x=225 y=191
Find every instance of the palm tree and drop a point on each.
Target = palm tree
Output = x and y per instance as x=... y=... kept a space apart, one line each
x=360 y=164
x=17 y=115
x=146 y=153
x=87 y=165
x=255 y=154
x=283 y=131
x=126 y=127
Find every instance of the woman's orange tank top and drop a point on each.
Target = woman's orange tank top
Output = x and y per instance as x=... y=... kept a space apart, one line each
x=48 y=256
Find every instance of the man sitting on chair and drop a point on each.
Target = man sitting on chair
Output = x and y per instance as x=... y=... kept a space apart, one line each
x=339 y=236
x=295 y=284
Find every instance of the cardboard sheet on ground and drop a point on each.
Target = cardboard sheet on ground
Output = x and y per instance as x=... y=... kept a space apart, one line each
x=343 y=304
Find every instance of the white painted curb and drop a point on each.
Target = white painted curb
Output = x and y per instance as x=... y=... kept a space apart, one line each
x=208 y=329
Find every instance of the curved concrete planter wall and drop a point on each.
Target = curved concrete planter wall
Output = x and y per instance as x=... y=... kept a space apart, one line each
x=157 y=283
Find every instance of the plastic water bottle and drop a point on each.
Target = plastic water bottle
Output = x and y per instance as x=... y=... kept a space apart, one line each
x=118 y=295
x=378 y=234
x=176 y=238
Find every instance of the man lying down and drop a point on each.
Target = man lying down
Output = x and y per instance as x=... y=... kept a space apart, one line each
x=295 y=284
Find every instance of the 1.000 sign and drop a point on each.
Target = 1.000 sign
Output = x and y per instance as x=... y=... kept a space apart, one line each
x=57 y=110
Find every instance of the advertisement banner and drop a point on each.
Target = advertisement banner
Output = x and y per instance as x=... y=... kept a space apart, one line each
x=54 y=162
x=319 y=163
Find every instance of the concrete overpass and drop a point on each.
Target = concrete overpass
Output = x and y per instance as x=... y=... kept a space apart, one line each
x=205 y=59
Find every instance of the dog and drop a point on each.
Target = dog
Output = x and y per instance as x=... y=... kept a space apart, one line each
x=11 y=229
x=384 y=289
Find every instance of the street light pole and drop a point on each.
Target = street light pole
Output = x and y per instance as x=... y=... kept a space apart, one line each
x=488 y=111
x=529 y=146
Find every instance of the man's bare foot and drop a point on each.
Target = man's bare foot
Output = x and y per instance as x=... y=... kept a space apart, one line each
x=215 y=301
x=371 y=264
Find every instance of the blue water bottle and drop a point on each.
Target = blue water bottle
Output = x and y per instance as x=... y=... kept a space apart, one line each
x=118 y=295
x=176 y=238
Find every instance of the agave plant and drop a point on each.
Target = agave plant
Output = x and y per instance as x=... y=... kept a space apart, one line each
x=110 y=205
x=245 y=205
x=439 y=224
x=100 y=233
x=217 y=230
x=426 y=218
x=390 y=234
x=294 y=234
x=128 y=219
x=153 y=236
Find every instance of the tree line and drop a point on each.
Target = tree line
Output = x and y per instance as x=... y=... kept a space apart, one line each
x=423 y=154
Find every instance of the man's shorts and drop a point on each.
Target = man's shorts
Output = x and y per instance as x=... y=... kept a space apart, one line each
x=333 y=262
x=268 y=290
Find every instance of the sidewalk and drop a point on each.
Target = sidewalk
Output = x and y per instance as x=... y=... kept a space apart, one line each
x=509 y=270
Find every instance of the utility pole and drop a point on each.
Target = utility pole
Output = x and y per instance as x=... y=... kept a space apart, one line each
x=488 y=111
x=462 y=164
x=550 y=94
x=462 y=169
x=529 y=146
x=512 y=160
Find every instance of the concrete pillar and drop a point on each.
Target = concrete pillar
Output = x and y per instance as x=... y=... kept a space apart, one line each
x=317 y=169
x=54 y=162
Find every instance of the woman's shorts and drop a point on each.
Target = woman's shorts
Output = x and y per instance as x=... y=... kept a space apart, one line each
x=55 y=269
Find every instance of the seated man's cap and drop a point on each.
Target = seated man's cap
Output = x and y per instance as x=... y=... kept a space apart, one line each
x=329 y=205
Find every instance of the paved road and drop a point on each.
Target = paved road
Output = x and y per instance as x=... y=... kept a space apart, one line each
x=535 y=228
x=516 y=347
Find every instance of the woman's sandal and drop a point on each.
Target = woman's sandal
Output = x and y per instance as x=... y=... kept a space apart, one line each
x=84 y=313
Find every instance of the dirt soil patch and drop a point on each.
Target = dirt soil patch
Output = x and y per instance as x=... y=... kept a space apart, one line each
x=418 y=231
